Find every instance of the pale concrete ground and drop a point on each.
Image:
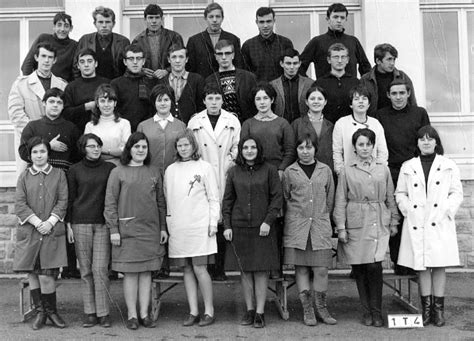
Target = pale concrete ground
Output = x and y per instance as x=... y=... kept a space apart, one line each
x=343 y=303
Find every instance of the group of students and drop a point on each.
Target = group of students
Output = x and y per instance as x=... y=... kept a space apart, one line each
x=247 y=195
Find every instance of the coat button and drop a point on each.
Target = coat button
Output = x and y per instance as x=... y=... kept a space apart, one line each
x=433 y=224
x=438 y=169
x=414 y=227
x=437 y=182
x=435 y=205
x=415 y=206
x=416 y=185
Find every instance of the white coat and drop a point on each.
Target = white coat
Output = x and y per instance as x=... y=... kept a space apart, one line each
x=25 y=105
x=217 y=146
x=429 y=231
x=192 y=200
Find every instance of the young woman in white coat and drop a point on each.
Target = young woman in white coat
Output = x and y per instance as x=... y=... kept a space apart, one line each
x=192 y=198
x=429 y=193
x=217 y=133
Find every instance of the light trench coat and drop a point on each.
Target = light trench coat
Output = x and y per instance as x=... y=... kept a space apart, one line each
x=309 y=203
x=217 y=146
x=193 y=206
x=365 y=207
x=429 y=231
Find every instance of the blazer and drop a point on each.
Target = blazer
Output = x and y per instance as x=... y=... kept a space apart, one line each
x=167 y=38
x=244 y=82
x=304 y=83
x=119 y=43
x=201 y=57
x=190 y=101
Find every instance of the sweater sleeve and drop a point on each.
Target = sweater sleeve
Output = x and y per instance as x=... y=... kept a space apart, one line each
x=288 y=146
x=71 y=112
x=306 y=56
x=338 y=147
x=112 y=195
x=275 y=196
x=72 y=187
x=29 y=63
x=364 y=64
x=160 y=199
x=26 y=134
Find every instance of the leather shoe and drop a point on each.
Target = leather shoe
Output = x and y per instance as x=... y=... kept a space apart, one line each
x=259 y=321
x=206 y=320
x=39 y=321
x=377 y=320
x=104 y=321
x=367 y=319
x=248 y=318
x=191 y=320
x=147 y=322
x=90 y=320
x=57 y=320
x=132 y=323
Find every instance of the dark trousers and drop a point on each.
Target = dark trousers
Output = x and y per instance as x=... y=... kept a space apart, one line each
x=369 y=280
x=71 y=258
x=218 y=267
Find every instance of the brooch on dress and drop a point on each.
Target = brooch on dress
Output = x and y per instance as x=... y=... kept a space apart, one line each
x=197 y=178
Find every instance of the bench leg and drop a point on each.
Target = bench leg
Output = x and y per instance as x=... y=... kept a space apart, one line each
x=155 y=300
x=281 y=299
x=25 y=302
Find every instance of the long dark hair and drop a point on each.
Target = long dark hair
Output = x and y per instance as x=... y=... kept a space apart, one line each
x=240 y=160
x=432 y=133
x=126 y=156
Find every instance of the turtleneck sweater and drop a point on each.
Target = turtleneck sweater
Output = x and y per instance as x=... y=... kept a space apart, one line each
x=113 y=134
x=426 y=163
x=87 y=182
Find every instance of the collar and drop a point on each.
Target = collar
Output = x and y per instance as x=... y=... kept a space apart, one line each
x=154 y=34
x=364 y=165
x=214 y=33
x=107 y=38
x=41 y=75
x=270 y=39
x=184 y=75
x=403 y=110
x=337 y=34
x=344 y=75
x=294 y=79
x=35 y=171
x=157 y=118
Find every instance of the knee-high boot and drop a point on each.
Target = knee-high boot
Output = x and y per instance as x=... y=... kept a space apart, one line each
x=426 y=309
x=40 y=318
x=438 y=311
x=51 y=310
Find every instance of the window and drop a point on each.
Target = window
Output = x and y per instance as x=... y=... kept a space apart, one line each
x=448 y=36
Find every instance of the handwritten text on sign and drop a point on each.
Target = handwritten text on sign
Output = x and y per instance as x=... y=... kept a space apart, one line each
x=405 y=321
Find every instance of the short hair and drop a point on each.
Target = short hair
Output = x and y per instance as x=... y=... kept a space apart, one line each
x=159 y=91
x=262 y=11
x=336 y=7
x=35 y=141
x=316 y=88
x=86 y=52
x=211 y=7
x=399 y=81
x=224 y=43
x=53 y=92
x=212 y=89
x=289 y=53
x=126 y=156
x=361 y=90
x=47 y=46
x=82 y=142
x=177 y=47
x=103 y=11
x=240 y=160
x=62 y=16
x=134 y=48
x=381 y=50
x=307 y=138
x=337 y=47
x=107 y=91
x=189 y=135
x=363 y=132
x=431 y=132
x=152 y=9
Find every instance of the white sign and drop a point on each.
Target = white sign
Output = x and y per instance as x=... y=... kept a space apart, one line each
x=405 y=321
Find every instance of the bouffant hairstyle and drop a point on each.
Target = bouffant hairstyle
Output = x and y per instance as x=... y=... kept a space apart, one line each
x=159 y=91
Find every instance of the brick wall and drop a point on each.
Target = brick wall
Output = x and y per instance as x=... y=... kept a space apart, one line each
x=464 y=224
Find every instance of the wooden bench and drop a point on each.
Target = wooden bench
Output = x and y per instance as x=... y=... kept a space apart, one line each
x=400 y=285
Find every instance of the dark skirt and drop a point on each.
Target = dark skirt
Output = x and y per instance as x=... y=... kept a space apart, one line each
x=308 y=257
x=141 y=266
x=250 y=252
x=198 y=260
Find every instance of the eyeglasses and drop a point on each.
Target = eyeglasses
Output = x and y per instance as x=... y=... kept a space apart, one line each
x=135 y=59
x=93 y=146
x=222 y=54
x=339 y=57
